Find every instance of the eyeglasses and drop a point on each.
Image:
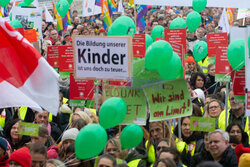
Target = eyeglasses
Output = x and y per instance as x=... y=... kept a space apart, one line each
x=213 y=107
x=159 y=148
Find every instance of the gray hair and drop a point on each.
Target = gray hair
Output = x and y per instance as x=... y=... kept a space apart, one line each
x=56 y=162
x=223 y=133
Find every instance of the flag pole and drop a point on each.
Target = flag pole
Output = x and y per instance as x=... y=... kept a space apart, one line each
x=226 y=103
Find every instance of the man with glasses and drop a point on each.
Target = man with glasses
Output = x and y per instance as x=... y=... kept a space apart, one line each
x=235 y=115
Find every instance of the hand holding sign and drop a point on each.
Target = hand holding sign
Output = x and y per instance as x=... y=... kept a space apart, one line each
x=177 y=23
x=112 y=112
x=199 y=5
x=158 y=32
x=90 y=141
x=193 y=21
x=200 y=51
x=158 y=54
x=62 y=7
x=236 y=54
x=131 y=136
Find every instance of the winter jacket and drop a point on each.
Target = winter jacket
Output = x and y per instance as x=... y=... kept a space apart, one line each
x=229 y=158
x=138 y=156
x=200 y=156
x=4 y=160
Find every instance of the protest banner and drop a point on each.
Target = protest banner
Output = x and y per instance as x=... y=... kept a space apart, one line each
x=135 y=100
x=28 y=129
x=210 y=3
x=238 y=79
x=102 y=57
x=139 y=45
x=53 y=56
x=77 y=5
x=202 y=124
x=30 y=35
x=177 y=39
x=247 y=74
x=66 y=64
x=214 y=40
x=80 y=90
x=89 y=8
x=243 y=13
x=45 y=3
x=168 y=100
x=29 y=17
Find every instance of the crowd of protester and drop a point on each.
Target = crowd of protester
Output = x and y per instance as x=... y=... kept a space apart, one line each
x=161 y=145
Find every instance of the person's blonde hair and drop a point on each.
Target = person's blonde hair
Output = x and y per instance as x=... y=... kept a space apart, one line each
x=83 y=115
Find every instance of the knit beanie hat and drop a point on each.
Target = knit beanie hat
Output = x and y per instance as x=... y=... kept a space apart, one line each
x=200 y=94
x=21 y=156
x=3 y=143
x=70 y=134
x=52 y=152
x=244 y=160
x=239 y=150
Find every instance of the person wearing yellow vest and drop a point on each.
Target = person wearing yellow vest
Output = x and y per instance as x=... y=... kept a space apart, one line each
x=235 y=115
x=187 y=146
x=137 y=157
x=157 y=131
x=5 y=116
x=204 y=65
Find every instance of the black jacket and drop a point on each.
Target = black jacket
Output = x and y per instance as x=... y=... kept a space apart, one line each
x=55 y=132
x=138 y=153
x=200 y=156
x=229 y=158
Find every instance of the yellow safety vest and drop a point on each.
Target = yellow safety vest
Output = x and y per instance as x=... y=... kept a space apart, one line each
x=22 y=112
x=118 y=161
x=2 y=118
x=134 y=163
x=204 y=65
x=180 y=145
x=151 y=152
x=221 y=122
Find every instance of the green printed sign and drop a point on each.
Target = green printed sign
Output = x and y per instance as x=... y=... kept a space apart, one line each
x=64 y=75
x=168 y=100
x=222 y=78
x=202 y=124
x=28 y=129
x=77 y=103
x=239 y=98
x=135 y=100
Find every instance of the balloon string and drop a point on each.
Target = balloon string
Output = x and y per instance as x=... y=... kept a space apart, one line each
x=68 y=158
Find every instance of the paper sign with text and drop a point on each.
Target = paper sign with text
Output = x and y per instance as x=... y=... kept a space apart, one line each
x=239 y=82
x=135 y=100
x=53 y=56
x=168 y=100
x=202 y=124
x=139 y=45
x=222 y=66
x=81 y=89
x=28 y=129
x=66 y=59
x=102 y=57
x=214 y=40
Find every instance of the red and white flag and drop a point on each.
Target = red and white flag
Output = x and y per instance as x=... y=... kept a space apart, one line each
x=26 y=79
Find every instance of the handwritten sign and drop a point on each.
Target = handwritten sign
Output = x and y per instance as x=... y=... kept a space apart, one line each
x=28 y=129
x=135 y=100
x=202 y=124
x=168 y=100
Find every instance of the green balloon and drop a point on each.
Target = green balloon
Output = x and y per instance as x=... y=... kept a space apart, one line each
x=193 y=21
x=236 y=54
x=172 y=68
x=158 y=54
x=149 y=40
x=90 y=141
x=28 y=1
x=4 y=3
x=16 y=24
x=199 y=5
x=131 y=136
x=178 y=23
x=157 y=32
x=23 y=4
x=70 y=1
x=62 y=7
x=112 y=112
x=200 y=51
x=122 y=26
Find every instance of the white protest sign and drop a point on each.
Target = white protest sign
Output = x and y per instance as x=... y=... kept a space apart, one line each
x=243 y=13
x=102 y=57
x=29 y=17
x=89 y=8
x=210 y=3
x=47 y=3
x=247 y=73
